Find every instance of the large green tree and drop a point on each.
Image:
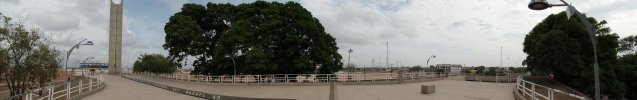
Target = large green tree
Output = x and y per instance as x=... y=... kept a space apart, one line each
x=258 y=38
x=26 y=57
x=563 y=47
x=154 y=63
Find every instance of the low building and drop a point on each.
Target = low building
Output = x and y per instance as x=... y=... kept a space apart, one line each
x=450 y=68
x=95 y=67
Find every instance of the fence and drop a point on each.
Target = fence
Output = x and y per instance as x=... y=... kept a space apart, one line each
x=197 y=93
x=301 y=78
x=534 y=91
x=65 y=90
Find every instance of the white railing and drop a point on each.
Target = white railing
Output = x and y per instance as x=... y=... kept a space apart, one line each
x=532 y=93
x=64 y=90
x=298 y=78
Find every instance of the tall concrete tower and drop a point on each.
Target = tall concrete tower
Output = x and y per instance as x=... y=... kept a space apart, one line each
x=115 y=37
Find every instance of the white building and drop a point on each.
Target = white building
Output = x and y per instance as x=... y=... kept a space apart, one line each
x=450 y=68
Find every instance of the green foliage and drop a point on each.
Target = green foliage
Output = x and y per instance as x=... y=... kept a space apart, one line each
x=629 y=62
x=480 y=69
x=155 y=63
x=26 y=58
x=563 y=47
x=628 y=44
x=262 y=37
x=491 y=71
x=415 y=68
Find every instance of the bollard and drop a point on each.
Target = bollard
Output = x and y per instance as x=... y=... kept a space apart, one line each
x=332 y=91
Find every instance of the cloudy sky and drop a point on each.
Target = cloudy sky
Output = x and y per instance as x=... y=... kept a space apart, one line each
x=469 y=32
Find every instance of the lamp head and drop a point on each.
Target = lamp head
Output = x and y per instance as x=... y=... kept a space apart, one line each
x=539 y=5
x=88 y=43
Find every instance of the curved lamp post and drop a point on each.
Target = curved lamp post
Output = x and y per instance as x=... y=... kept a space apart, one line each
x=76 y=46
x=570 y=10
x=82 y=69
x=432 y=56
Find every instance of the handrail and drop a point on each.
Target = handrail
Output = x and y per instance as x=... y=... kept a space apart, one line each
x=521 y=86
x=299 y=78
x=57 y=91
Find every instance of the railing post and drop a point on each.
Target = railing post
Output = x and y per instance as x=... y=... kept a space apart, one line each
x=80 y=89
x=51 y=87
x=533 y=91
x=550 y=94
x=286 y=78
x=29 y=95
x=358 y=78
x=90 y=84
x=68 y=90
x=387 y=77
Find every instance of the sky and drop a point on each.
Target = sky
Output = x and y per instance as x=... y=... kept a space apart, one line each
x=467 y=32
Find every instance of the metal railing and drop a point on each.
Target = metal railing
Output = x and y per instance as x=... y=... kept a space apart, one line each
x=199 y=94
x=299 y=78
x=64 y=90
x=522 y=86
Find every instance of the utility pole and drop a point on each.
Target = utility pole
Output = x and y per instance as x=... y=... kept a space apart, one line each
x=387 y=57
x=500 y=56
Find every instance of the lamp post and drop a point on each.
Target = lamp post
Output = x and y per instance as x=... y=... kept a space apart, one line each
x=570 y=10
x=82 y=69
x=432 y=56
x=234 y=65
x=76 y=46
x=349 y=53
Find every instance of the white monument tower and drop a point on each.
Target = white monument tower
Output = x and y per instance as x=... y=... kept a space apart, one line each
x=115 y=37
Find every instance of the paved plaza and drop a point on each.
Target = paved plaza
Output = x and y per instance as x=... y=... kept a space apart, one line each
x=445 y=90
x=118 y=88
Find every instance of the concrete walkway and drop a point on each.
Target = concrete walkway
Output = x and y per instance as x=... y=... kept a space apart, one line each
x=445 y=90
x=118 y=88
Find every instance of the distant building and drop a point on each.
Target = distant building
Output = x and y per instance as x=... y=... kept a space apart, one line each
x=450 y=68
x=98 y=67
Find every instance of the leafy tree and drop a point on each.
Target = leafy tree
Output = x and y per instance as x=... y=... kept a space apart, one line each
x=480 y=69
x=416 y=68
x=259 y=38
x=563 y=47
x=628 y=77
x=491 y=71
x=26 y=58
x=155 y=63
x=628 y=44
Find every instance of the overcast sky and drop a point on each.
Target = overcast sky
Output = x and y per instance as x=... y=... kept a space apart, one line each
x=468 y=32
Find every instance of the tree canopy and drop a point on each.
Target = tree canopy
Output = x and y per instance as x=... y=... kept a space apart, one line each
x=562 y=47
x=258 y=38
x=155 y=63
x=27 y=59
x=628 y=44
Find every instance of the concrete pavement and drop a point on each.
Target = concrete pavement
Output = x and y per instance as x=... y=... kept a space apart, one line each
x=118 y=88
x=445 y=90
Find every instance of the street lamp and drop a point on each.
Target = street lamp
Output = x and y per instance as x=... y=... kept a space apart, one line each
x=76 y=46
x=349 y=53
x=432 y=56
x=570 y=10
x=82 y=69
x=234 y=66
